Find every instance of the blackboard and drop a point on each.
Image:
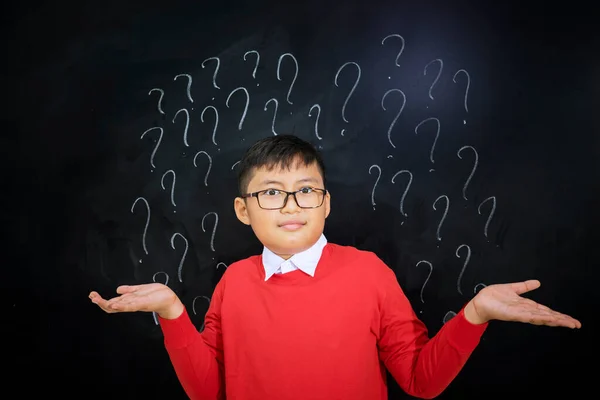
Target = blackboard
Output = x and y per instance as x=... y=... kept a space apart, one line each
x=461 y=143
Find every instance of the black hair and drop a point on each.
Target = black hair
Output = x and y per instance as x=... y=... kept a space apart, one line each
x=282 y=151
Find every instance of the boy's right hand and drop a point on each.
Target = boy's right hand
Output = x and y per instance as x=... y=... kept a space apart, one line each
x=154 y=297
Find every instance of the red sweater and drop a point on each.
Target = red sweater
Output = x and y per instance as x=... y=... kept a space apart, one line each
x=330 y=336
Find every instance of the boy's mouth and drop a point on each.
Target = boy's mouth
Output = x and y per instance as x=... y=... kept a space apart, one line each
x=292 y=225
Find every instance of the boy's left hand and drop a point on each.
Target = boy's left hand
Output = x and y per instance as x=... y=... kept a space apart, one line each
x=502 y=302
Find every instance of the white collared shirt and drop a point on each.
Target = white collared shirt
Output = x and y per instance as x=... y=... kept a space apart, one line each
x=305 y=261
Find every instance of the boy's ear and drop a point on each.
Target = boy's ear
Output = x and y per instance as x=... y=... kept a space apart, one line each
x=327 y=204
x=241 y=211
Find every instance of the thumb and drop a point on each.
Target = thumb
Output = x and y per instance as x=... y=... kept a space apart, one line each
x=526 y=286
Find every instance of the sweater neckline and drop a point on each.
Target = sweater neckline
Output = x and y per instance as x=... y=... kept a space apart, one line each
x=297 y=277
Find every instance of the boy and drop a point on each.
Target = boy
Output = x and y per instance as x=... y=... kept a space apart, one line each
x=309 y=319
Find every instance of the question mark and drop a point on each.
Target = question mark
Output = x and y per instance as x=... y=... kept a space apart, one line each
x=493 y=210
x=216 y=121
x=162 y=184
x=375 y=185
x=162 y=93
x=472 y=171
x=214 y=77
x=389 y=132
x=221 y=263
x=401 y=49
x=246 y=106
x=274 y=100
x=179 y=269
x=234 y=164
x=438 y=74
x=295 y=74
x=428 y=276
x=157 y=144
x=437 y=121
x=147 y=221
x=209 y=165
x=462 y=271
x=466 y=90
x=194 y=308
x=483 y=285
x=189 y=85
x=318 y=107
x=410 y=178
x=445 y=213
x=449 y=315
x=187 y=124
x=166 y=283
x=257 y=61
x=212 y=237
x=351 y=90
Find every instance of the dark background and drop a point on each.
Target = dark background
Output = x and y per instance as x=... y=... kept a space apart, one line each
x=76 y=102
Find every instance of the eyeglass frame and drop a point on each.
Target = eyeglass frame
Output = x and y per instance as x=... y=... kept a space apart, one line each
x=287 y=195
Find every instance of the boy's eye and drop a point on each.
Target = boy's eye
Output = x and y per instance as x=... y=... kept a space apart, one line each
x=271 y=192
x=306 y=190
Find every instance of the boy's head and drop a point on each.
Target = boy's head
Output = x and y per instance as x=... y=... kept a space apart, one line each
x=270 y=168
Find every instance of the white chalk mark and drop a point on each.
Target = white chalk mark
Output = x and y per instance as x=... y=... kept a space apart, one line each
x=437 y=76
x=214 y=77
x=234 y=164
x=179 y=269
x=342 y=132
x=147 y=220
x=212 y=237
x=194 y=308
x=216 y=121
x=221 y=263
x=445 y=213
x=245 y=107
x=257 y=61
x=187 y=124
x=157 y=143
x=389 y=132
x=209 y=165
x=410 y=178
x=353 y=86
x=376 y=181
x=295 y=73
x=483 y=285
x=162 y=94
x=464 y=191
x=401 y=49
x=166 y=283
x=318 y=107
x=189 y=85
x=487 y=224
x=468 y=85
x=449 y=315
x=274 y=100
x=428 y=276
x=462 y=271
x=162 y=184
x=437 y=135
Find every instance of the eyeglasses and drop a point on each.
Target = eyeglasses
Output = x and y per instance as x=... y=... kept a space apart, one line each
x=275 y=199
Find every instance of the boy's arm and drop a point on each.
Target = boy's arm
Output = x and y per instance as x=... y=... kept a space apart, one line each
x=197 y=357
x=421 y=366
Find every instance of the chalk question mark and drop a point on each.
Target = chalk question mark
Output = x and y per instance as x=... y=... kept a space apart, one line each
x=410 y=178
x=221 y=263
x=189 y=84
x=180 y=268
x=257 y=61
x=437 y=135
x=212 y=237
x=466 y=90
x=482 y=285
x=166 y=284
x=162 y=94
x=351 y=90
x=449 y=315
x=194 y=308
x=389 y=132
x=462 y=271
x=464 y=191
x=245 y=107
x=444 y=216
x=209 y=164
x=157 y=144
x=428 y=276
x=214 y=77
x=147 y=221
x=492 y=211
x=318 y=108
x=295 y=73
x=375 y=185
x=216 y=121
x=274 y=100
x=401 y=49
x=187 y=124
x=437 y=76
x=162 y=184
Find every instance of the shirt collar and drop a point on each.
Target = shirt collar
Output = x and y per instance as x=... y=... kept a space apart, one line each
x=305 y=261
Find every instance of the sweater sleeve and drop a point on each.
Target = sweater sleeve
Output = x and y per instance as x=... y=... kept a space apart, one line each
x=423 y=367
x=198 y=357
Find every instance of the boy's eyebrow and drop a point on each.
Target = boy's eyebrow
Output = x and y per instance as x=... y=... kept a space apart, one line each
x=303 y=180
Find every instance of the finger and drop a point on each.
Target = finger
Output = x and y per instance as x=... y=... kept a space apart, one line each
x=547 y=317
x=526 y=286
x=127 y=288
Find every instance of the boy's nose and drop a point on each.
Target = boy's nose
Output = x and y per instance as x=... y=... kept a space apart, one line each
x=290 y=204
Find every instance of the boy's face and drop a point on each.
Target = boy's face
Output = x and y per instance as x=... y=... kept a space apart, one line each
x=272 y=227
